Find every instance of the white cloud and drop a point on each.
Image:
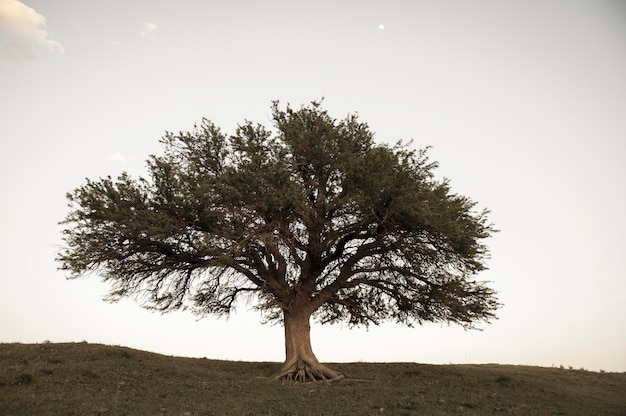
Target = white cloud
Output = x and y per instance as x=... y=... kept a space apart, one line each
x=118 y=158
x=148 y=30
x=22 y=31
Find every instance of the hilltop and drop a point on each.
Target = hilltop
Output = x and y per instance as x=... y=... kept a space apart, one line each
x=92 y=379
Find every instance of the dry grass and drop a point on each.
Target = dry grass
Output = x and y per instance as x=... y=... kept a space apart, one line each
x=88 y=379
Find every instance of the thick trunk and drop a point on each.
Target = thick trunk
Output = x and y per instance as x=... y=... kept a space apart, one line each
x=300 y=362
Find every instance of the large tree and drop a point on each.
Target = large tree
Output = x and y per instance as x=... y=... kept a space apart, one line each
x=311 y=218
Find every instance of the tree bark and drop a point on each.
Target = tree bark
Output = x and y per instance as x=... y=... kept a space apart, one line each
x=300 y=363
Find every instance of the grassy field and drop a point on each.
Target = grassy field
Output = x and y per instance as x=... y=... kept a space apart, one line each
x=89 y=379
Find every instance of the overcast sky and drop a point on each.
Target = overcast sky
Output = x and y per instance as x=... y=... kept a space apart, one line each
x=523 y=103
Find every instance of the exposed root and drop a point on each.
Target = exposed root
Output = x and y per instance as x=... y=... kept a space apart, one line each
x=303 y=372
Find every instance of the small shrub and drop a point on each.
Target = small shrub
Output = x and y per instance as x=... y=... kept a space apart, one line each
x=89 y=374
x=504 y=381
x=23 y=379
x=408 y=405
x=124 y=354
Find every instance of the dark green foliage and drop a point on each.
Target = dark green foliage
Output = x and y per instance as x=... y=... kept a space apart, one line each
x=504 y=381
x=23 y=378
x=315 y=214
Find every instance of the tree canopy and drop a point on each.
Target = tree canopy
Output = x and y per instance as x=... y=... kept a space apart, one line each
x=310 y=217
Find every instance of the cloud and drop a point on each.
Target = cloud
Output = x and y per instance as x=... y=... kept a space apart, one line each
x=118 y=158
x=22 y=31
x=148 y=30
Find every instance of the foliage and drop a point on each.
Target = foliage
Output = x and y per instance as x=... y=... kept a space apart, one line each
x=23 y=378
x=314 y=215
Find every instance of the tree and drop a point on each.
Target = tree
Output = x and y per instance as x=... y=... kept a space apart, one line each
x=312 y=220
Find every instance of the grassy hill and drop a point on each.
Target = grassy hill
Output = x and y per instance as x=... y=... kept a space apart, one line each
x=90 y=379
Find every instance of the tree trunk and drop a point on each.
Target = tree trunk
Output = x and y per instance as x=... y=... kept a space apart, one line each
x=300 y=362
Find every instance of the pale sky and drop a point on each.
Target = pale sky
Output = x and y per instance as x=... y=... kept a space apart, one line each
x=523 y=103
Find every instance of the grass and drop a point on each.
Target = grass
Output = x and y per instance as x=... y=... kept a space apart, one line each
x=91 y=379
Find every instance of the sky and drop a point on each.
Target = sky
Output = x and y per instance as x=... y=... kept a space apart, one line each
x=523 y=103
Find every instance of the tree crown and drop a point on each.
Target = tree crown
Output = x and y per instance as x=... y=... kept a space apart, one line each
x=314 y=215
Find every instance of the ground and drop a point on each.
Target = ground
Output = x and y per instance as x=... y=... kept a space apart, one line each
x=89 y=379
